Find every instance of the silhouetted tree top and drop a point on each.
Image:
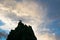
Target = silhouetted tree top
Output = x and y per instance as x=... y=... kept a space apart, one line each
x=22 y=32
x=20 y=23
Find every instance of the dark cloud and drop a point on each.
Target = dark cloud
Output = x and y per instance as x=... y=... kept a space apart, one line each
x=57 y=37
x=13 y=16
x=18 y=0
x=1 y=1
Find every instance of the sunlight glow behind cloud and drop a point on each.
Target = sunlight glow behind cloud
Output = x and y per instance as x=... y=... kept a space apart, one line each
x=29 y=11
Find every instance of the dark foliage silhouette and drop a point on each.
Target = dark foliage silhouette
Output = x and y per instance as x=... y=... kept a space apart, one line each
x=22 y=32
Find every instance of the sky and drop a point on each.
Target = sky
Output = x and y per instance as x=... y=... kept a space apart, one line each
x=42 y=15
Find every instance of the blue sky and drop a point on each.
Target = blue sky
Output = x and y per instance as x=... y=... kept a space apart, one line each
x=46 y=14
x=53 y=14
x=1 y=23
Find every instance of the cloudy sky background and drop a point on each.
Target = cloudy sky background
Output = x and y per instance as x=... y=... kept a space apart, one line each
x=42 y=15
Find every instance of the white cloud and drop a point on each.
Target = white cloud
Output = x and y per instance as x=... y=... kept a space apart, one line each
x=46 y=36
x=30 y=12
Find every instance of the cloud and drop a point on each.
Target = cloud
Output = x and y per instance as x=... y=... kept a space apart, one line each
x=30 y=12
x=47 y=36
x=58 y=37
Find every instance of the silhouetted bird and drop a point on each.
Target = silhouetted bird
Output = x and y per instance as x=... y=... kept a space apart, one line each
x=22 y=32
